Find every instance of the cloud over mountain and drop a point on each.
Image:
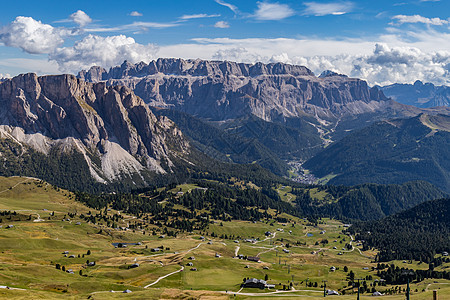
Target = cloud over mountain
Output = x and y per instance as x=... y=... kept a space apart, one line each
x=102 y=51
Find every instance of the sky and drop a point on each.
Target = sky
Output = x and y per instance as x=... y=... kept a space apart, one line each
x=382 y=41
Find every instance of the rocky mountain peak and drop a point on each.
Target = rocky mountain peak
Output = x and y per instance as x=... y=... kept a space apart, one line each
x=108 y=122
x=197 y=67
x=227 y=90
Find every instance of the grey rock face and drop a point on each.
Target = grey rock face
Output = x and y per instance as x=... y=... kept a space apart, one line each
x=226 y=90
x=109 y=122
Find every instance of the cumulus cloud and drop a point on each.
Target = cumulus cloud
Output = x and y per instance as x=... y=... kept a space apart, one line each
x=230 y=6
x=80 y=18
x=273 y=11
x=222 y=24
x=386 y=65
x=136 y=14
x=402 y=19
x=32 y=36
x=102 y=51
x=323 y=9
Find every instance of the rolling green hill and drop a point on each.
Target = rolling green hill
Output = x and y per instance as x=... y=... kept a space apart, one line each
x=393 y=151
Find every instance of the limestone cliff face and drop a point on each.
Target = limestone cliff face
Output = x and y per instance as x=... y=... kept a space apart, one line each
x=225 y=90
x=110 y=123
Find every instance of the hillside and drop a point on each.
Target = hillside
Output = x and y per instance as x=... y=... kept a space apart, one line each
x=418 y=233
x=223 y=145
x=393 y=151
x=249 y=139
x=363 y=202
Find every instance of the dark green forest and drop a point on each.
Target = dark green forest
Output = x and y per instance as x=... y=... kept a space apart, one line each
x=366 y=201
x=415 y=234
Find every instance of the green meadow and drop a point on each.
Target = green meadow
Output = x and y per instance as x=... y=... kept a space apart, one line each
x=294 y=256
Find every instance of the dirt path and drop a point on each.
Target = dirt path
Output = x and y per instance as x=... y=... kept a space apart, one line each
x=268 y=250
x=162 y=277
x=426 y=289
x=236 y=251
x=8 y=189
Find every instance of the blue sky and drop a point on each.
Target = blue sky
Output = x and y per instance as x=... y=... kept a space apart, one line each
x=380 y=41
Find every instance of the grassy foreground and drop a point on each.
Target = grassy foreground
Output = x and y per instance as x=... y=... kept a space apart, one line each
x=43 y=229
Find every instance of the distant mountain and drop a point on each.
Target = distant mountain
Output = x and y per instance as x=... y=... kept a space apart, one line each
x=392 y=151
x=418 y=233
x=106 y=134
x=418 y=94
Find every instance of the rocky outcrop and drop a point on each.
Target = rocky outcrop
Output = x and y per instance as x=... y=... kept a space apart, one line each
x=109 y=125
x=226 y=90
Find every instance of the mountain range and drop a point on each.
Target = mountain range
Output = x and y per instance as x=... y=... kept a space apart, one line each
x=137 y=121
x=418 y=94
x=221 y=90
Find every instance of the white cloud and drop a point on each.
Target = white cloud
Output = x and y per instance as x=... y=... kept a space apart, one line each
x=198 y=16
x=33 y=36
x=385 y=65
x=40 y=66
x=323 y=9
x=230 y=6
x=81 y=18
x=238 y=55
x=402 y=19
x=222 y=24
x=273 y=11
x=102 y=51
x=132 y=27
x=136 y=14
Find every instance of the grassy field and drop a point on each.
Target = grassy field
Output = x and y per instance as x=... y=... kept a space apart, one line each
x=293 y=254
